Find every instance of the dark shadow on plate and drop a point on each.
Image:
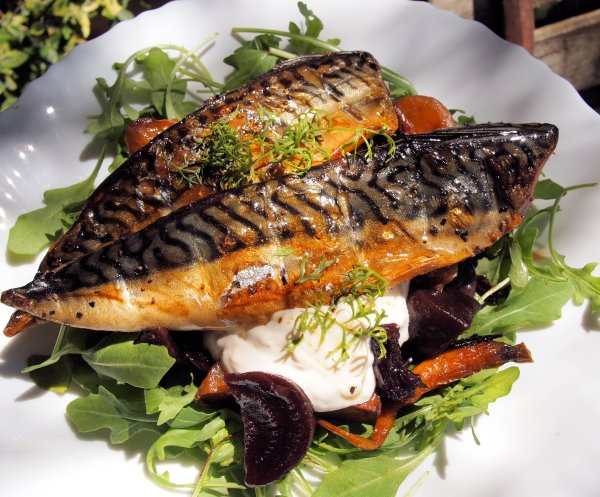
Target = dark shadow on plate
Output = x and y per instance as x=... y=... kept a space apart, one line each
x=440 y=460
x=93 y=149
x=32 y=393
x=590 y=320
x=14 y=355
x=13 y=259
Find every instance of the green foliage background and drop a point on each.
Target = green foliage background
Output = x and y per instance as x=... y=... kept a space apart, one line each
x=34 y=34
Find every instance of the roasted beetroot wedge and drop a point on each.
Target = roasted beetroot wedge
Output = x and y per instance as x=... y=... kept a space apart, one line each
x=394 y=380
x=279 y=424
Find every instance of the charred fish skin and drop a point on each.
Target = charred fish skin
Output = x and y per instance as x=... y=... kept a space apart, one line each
x=346 y=85
x=442 y=197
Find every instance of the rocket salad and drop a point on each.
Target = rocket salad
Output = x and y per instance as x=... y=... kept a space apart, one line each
x=152 y=397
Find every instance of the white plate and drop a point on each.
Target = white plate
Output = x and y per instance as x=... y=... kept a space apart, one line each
x=541 y=440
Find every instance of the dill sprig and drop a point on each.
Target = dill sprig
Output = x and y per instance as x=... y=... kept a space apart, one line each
x=227 y=156
x=360 y=287
x=367 y=138
x=362 y=281
x=295 y=149
x=227 y=160
x=188 y=173
x=316 y=274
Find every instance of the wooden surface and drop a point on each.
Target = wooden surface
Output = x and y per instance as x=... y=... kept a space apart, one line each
x=463 y=8
x=572 y=48
x=519 y=23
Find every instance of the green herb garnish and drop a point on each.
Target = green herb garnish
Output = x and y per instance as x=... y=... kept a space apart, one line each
x=360 y=287
x=316 y=273
x=265 y=47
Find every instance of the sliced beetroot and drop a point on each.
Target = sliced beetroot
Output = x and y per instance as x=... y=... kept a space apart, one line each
x=192 y=350
x=394 y=381
x=437 y=278
x=279 y=424
x=466 y=278
x=159 y=336
x=186 y=347
x=436 y=319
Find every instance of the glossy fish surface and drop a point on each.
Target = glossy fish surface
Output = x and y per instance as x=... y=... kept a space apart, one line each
x=346 y=87
x=239 y=255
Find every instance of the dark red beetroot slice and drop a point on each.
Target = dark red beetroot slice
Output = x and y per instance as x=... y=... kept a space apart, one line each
x=436 y=319
x=394 y=380
x=279 y=424
x=187 y=348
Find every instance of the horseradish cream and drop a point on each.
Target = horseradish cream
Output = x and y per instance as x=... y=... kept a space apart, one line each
x=312 y=365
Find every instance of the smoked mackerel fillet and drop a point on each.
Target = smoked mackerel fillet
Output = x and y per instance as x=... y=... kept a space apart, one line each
x=234 y=257
x=346 y=87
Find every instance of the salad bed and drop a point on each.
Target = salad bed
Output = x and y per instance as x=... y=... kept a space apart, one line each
x=538 y=291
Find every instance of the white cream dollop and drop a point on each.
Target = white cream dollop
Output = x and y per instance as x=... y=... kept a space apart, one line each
x=329 y=385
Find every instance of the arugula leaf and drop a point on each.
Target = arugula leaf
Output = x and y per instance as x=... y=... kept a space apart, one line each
x=181 y=439
x=169 y=402
x=481 y=389
x=527 y=238
x=547 y=189
x=55 y=377
x=189 y=417
x=69 y=341
x=518 y=272
x=166 y=91
x=314 y=26
x=539 y=303
x=163 y=90
x=34 y=230
x=380 y=475
x=585 y=285
x=141 y=365
x=251 y=60
x=104 y=410
x=307 y=42
x=462 y=118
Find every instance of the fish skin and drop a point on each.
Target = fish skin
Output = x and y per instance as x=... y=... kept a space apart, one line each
x=346 y=85
x=442 y=197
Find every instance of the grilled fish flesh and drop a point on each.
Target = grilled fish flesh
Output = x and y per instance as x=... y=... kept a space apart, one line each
x=346 y=87
x=437 y=199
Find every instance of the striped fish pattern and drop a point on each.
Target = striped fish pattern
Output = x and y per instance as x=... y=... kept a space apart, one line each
x=439 y=198
x=346 y=86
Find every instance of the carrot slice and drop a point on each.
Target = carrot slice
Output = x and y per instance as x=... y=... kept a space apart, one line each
x=381 y=430
x=446 y=368
x=420 y=114
x=461 y=362
x=358 y=413
x=214 y=388
x=139 y=132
